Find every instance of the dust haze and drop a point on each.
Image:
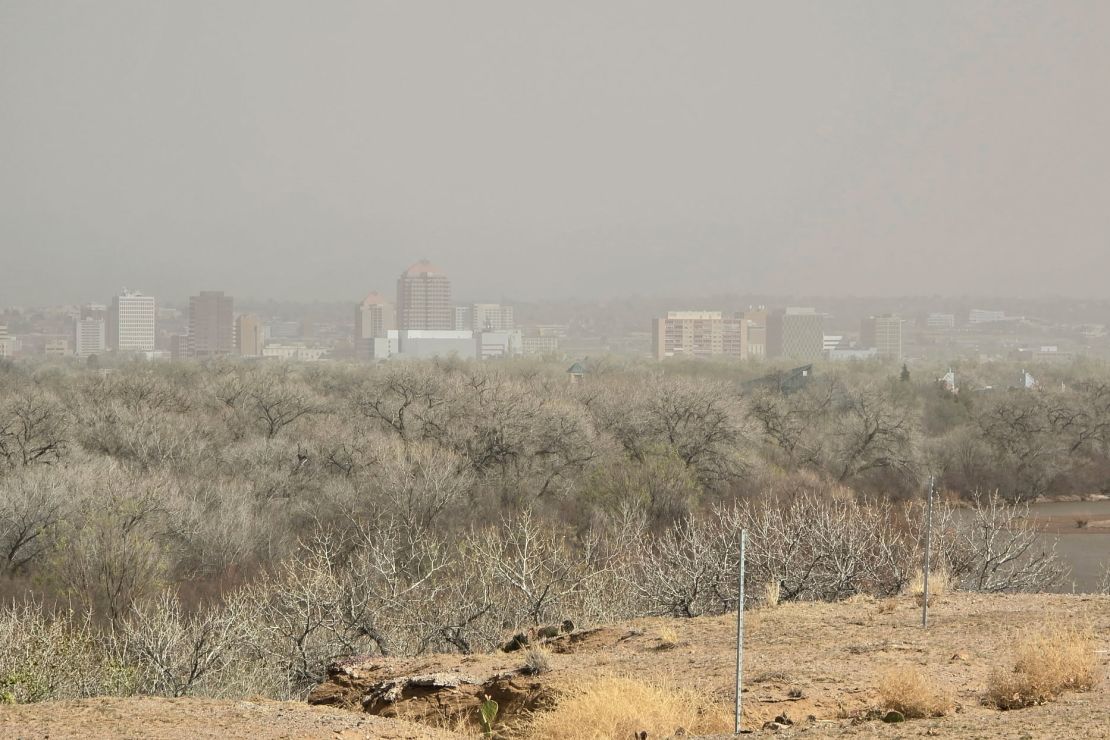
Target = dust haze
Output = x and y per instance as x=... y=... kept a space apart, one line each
x=542 y=151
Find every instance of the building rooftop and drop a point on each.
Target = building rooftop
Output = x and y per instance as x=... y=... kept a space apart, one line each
x=423 y=267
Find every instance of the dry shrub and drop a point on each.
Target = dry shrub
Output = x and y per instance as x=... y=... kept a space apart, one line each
x=1052 y=660
x=668 y=638
x=904 y=689
x=537 y=660
x=621 y=706
x=939 y=584
x=772 y=592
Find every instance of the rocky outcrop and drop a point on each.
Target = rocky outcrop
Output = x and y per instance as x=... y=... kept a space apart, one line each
x=391 y=688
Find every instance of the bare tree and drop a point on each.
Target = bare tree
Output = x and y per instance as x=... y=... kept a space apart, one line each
x=33 y=429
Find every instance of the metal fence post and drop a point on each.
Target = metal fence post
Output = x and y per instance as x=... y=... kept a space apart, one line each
x=740 y=632
x=928 y=551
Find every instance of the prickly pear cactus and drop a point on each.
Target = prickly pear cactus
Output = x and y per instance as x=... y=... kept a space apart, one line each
x=487 y=711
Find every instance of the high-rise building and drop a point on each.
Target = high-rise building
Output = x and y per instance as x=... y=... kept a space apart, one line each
x=130 y=325
x=249 y=335
x=796 y=334
x=884 y=333
x=374 y=319
x=424 y=299
x=699 y=334
x=211 y=324
x=88 y=336
x=492 y=317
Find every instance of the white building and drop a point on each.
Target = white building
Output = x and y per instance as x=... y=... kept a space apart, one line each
x=499 y=344
x=88 y=337
x=984 y=316
x=298 y=352
x=130 y=326
x=436 y=343
x=539 y=345
x=464 y=318
x=7 y=342
x=941 y=321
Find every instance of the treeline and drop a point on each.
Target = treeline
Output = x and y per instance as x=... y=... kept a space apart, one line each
x=233 y=527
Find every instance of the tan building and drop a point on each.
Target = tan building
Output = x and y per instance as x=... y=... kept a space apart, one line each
x=795 y=334
x=424 y=299
x=757 y=332
x=211 y=324
x=699 y=334
x=249 y=335
x=374 y=319
x=492 y=317
x=56 y=348
x=884 y=333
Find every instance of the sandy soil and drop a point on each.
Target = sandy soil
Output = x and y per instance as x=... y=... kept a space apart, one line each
x=819 y=663
x=147 y=717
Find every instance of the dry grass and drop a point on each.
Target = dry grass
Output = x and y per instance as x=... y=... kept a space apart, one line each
x=904 y=689
x=537 y=660
x=939 y=584
x=617 y=707
x=1052 y=660
x=772 y=592
x=668 y=637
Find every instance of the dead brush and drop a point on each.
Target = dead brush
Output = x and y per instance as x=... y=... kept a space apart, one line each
x=939 y=585
x=622 y=706
x=772 y=592
x=668 y=638
x=1051 y=660
x=906 y=690
x=537 y=660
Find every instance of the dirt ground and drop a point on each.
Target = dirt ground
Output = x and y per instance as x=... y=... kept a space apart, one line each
x=159 y=719
x=818 y=663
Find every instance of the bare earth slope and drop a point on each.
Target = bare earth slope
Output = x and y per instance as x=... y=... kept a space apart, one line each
x=819 y=661
x=148 y=717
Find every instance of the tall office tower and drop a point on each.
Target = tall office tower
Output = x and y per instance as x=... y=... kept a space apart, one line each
x=795 y=334
x=424 y=299
x=699 y=334
x=374 y=319
x=130 y=326
x=211 y=324
x=491 y=317
x=884 y=333
x=89 y=337
x=248 y=335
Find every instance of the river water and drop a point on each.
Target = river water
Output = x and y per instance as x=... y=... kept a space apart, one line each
x=1086 y=551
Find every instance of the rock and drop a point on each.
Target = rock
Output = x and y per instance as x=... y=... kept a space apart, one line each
x=516 y=642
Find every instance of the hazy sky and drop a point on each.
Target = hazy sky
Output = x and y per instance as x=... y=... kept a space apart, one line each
x=534 y=150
